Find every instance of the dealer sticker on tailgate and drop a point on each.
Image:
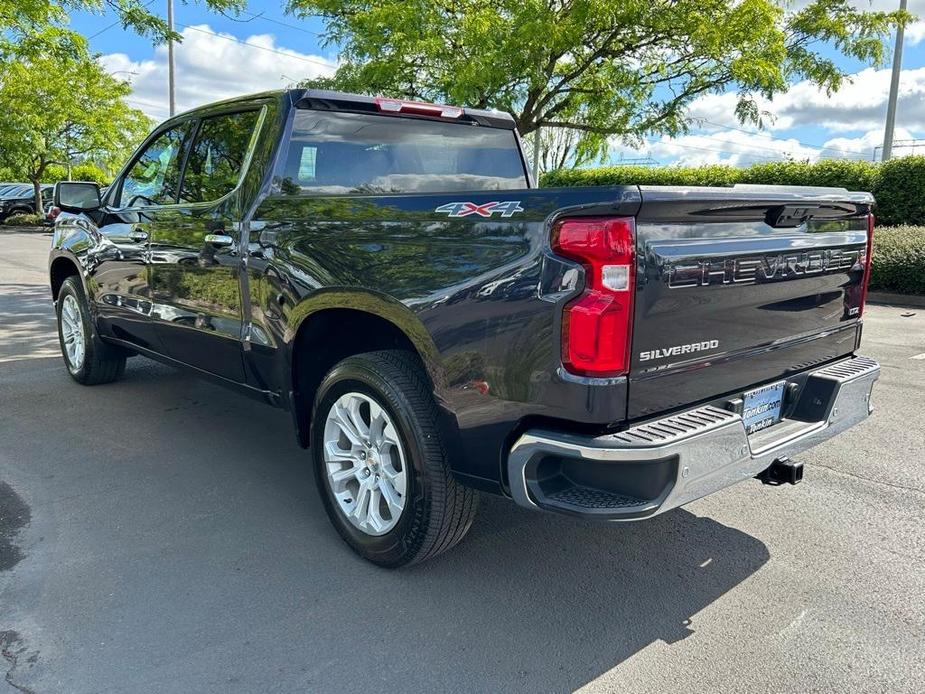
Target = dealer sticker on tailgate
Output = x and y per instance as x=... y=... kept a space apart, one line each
x=761 y=407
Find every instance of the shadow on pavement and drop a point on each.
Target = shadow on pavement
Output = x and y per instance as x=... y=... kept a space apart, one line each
x=177 y=543
x=27 y=322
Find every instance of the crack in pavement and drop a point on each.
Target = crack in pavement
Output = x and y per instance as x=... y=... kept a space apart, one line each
x=892 y=485
x=12 y=649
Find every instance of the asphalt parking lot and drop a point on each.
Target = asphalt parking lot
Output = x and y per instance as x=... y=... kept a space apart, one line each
x=161 y=534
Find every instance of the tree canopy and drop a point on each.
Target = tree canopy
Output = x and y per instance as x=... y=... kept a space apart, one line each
x=598 y=67
x=42 y=127
x=34 y=27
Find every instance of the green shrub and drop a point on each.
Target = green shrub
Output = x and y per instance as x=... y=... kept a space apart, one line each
x=716 y=175
x=839 y=173
x=24 y=219
x=898 y=262
x=835 y=173
x=900 y=191
x=898 y=185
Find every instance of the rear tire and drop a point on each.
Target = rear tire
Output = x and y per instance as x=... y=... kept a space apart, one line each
x=89 y=360
x=394 y=417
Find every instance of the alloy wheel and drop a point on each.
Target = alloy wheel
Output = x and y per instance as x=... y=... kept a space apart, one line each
x=72 y=332
x=365 y=463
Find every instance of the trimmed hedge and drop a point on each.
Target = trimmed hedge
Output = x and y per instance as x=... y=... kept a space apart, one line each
x=898 y=262
x=900 y=191
x=898 y=185
x=714 y=175
x=24 y=219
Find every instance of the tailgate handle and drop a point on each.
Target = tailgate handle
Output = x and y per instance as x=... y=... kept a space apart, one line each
x=789 y=215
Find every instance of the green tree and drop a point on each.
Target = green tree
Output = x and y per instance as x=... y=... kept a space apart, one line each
x=599 y=67
x=37 y=27
x=84 y=171
x=42 y=126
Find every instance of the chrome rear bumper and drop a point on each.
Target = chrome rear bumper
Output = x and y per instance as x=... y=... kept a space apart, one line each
x=665 y=463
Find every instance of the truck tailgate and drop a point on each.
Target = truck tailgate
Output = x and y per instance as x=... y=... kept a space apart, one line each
x=741 y=286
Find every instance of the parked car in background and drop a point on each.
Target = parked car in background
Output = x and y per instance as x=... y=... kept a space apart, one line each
x=11 y=188
x=20 y=199
x=389 y=273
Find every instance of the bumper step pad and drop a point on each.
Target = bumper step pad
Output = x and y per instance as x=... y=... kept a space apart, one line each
x=588 y=498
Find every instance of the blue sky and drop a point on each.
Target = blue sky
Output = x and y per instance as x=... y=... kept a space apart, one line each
x=264 y=48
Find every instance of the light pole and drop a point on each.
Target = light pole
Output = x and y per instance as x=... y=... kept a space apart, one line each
x=894 y=91
x=170 y=68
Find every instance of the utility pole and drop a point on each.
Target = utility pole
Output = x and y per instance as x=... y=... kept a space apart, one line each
x=894 y=90
x=170 y=81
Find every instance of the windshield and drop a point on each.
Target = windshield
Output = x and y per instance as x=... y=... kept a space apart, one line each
x=340 y=153
x=16 y=191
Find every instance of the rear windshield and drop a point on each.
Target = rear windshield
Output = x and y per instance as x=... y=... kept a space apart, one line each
x=17 y=191
x=341 y=153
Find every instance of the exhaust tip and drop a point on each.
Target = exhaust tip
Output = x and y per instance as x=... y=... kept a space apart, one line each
x=782 y=471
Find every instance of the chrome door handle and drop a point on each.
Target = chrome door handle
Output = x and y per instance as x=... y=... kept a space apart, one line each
x=138 y=235
x=219 y=239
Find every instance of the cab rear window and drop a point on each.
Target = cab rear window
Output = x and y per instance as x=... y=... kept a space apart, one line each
x=350 y=153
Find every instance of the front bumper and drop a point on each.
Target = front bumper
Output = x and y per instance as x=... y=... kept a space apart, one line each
x=665 y=463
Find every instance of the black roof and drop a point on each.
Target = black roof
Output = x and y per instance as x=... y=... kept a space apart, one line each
x=322 y=99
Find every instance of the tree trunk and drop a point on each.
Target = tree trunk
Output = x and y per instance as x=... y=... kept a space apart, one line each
x=37 y=188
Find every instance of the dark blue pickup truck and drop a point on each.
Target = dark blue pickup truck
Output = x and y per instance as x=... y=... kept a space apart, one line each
x=389 y=273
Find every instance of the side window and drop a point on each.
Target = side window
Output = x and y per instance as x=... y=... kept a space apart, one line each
x=155 y=175
x=216 y=160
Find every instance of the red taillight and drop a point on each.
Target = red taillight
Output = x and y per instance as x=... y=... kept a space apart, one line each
x=418 y=107
x=597 y=326
x=870 y=250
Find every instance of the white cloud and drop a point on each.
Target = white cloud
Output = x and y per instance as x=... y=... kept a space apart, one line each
x=210 y=67
x=854 y=117
x=870 y=140
x=715 y=110
x=733 y=147
x=915 y=32
x=859 y=105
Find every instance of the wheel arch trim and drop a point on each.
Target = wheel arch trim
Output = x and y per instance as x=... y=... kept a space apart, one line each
x=58 y=256
x=370 y=302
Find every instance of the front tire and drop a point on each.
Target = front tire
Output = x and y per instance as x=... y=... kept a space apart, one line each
x=88 y=359
x=380 y=463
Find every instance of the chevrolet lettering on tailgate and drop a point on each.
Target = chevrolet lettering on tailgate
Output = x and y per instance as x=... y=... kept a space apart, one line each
x=705 y=272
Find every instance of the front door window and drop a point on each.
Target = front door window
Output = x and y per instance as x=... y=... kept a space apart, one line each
x=155 y=176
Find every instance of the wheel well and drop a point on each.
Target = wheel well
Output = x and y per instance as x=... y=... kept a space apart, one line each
x=326 y=338
x=61 y=269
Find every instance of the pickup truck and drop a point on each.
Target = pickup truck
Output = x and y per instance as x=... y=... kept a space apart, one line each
x=438 y=326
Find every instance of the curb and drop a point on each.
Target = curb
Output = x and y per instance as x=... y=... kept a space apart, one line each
x=888 y=298
x=26 y=230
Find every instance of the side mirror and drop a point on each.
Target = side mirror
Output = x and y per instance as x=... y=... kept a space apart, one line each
x=77 y=196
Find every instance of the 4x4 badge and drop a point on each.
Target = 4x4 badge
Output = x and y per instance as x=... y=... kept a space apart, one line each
x=463 y=209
